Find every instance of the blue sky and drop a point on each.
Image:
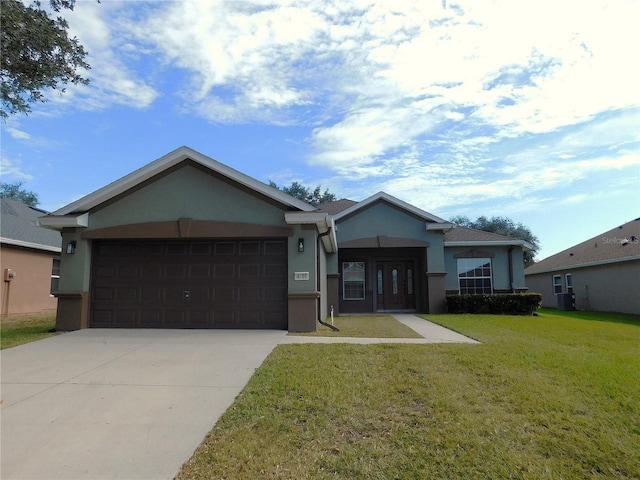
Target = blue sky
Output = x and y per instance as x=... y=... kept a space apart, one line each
x=527 y=109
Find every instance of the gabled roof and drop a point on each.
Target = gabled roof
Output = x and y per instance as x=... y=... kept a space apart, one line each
x=169 y=160
x=382 y=196
x=463 y=236
x=18 y=226
x=619 y=244
x=337 y=206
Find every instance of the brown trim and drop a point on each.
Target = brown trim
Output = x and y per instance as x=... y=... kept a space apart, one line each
x=382 y=241
x=303 y=311
x=188 y=228
x=73 y=311
x=473 y=253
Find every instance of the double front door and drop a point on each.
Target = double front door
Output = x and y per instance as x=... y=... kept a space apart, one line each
x=395 y=285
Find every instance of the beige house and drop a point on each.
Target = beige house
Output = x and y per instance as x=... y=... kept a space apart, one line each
x=29 y=260
x=601 y=274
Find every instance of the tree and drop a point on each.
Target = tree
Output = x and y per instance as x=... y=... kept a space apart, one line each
x=14 y=191
x=36 y=54
x=503 y=226
x=312 y=197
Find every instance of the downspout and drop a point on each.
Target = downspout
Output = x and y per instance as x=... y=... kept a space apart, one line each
x=319 y=246
x=511 y=268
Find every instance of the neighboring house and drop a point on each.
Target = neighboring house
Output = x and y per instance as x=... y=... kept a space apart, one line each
x=186 y=241
x=602 y=273
x=29 y=260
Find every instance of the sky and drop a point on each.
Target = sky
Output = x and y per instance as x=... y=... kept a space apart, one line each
x=526 y=109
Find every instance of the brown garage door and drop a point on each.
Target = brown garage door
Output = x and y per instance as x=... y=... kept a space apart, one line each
x=189 y=284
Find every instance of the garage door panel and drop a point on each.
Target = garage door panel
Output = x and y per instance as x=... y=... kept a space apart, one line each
x=200 y=271
x=127 y=294
x=151 y=318
x=249 y=272
x=152 y=273
x=224 y=248
x=125 y=318
x=224 y=271
x=275 y=271
x=251 y=294
x=197 y=284
x=103 y=294
x=151 y=294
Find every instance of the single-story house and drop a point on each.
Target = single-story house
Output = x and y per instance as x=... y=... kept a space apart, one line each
x=187 y=242
x=599 y=274
x=29 y=260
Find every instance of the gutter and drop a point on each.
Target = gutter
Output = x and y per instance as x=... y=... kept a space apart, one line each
x=320 y=321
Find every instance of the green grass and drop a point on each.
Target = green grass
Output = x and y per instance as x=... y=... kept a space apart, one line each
x=19 y=329
x=365 y=326
x=548 y=397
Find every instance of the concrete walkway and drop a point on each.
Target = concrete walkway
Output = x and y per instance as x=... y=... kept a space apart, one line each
x=431 y=333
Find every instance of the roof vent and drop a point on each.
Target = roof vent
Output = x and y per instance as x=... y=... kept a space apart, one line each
x=634 y=239
x=571 y=254
x=624 y=241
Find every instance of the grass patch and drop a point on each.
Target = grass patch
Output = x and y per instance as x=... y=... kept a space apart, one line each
x=365 y=326
x=20 y=329
x=544 y=397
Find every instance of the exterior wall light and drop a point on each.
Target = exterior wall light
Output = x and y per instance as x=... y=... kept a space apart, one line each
x=71 y=247
x=301 y=245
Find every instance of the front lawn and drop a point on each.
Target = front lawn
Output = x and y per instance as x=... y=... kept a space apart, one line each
x=552 y=397
x=364 y=326
x=19 y=329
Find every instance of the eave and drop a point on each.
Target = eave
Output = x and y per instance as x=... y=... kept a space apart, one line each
x=323 y=222
x=491 y=243
x=35 y=246
x=58 y=222
x=596 y=263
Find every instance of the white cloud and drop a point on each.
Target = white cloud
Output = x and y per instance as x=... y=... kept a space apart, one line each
x=13 y=168
x=18 y=134
x=112 y=82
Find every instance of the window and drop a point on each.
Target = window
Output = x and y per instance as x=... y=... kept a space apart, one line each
x=557 y=284
x=409 y=282
x=394 y=279
x=568 y=281
x=55 y=276
x=353 y=280
x=380 y=286
x=474 y=275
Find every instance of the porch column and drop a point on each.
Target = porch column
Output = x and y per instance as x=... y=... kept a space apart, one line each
x=333 y=292
x=437 y=292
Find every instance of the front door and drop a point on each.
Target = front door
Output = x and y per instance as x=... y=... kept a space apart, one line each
x=395 y=285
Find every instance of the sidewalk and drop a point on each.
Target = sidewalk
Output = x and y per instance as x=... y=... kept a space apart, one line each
x=431 y=333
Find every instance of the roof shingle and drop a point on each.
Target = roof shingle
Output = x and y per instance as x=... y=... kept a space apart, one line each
x=616 y=244
x=19 y=222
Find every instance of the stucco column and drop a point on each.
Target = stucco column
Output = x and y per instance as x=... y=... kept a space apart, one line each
x=73 y=296
x=437 y=292
x=303 y=311
x=333 y=292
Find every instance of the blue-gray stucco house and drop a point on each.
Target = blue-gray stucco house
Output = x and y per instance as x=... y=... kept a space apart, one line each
x=187 y=242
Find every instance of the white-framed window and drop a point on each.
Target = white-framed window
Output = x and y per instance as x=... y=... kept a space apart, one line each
x=55 y=276
x=557 y=284
x=474 y=275
x=353 y=280
x=568 y=282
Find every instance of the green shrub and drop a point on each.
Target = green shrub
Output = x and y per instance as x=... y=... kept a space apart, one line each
x=495 y=303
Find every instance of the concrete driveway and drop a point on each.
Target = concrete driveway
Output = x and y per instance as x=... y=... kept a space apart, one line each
x=133 y=404
x=120 y=404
